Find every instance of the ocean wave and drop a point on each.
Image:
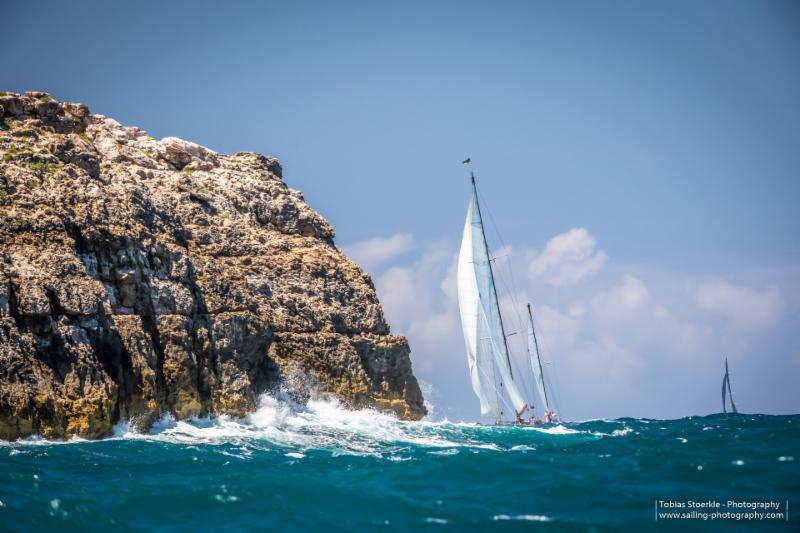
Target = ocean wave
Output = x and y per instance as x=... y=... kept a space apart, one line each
x=282 y=425
x=557 y=430
x=319 y=424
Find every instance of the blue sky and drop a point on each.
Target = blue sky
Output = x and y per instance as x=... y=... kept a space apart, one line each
x=659 y=140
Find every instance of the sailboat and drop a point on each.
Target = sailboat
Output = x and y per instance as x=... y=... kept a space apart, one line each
x=538 y=372
x=726 y=388
x=488 y=354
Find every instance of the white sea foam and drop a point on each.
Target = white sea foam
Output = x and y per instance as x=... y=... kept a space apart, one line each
x=616 y=433
x=557 y=430
x=526 y=517
x=320 y=424
x=449 y=451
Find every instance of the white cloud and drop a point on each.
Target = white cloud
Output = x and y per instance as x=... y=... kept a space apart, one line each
x=567 y=259
x=745 y=306
x=559 y=330
x=420 y=301
x=376 y=251
x=629 y=297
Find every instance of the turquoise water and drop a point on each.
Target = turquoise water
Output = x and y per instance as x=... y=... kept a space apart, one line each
x=322 y=467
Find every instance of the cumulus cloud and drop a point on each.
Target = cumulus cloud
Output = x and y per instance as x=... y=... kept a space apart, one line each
x=567 y=259
x=746 y=306
x=629 y=297
x=374 y=252
x=420 y=301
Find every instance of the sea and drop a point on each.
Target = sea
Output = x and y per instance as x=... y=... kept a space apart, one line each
x=321 y=467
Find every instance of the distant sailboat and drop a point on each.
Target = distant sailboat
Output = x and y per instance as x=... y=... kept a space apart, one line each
x=538 y=371
x=726 y=388
x=484 y=333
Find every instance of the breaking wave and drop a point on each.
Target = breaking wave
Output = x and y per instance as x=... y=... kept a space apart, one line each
x=321 y=424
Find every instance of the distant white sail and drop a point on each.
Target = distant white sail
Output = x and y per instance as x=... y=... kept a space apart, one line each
x=536 y=362
x=480 y=319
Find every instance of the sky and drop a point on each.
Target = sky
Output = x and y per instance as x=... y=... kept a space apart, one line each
x=640 y=162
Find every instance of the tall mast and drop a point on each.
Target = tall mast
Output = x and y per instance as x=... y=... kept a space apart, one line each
x=538 y=358
x=491 y=275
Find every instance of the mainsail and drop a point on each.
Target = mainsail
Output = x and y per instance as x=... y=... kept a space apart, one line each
x=726 y=387
x=536 y=362
x=487 y=351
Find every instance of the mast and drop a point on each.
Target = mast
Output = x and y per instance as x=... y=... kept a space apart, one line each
x=491 y=275
x=538 y=358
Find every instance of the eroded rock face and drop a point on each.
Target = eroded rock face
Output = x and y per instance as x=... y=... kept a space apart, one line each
x=141 y=276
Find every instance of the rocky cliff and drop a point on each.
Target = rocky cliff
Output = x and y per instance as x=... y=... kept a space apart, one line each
x=139 y=277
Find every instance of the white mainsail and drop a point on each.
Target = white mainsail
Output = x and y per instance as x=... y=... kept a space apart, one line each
x=536 y=362
x=487 y=352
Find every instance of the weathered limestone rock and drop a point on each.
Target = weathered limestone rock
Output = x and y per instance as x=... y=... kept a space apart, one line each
x=141 y=276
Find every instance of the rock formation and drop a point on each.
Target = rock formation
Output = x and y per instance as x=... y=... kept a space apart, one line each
x=139 y=277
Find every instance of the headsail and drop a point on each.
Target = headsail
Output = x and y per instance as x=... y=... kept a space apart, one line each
x=536 y=362
x=724 y=390
x=730 y=392
x=484 y=336
x=481 y=368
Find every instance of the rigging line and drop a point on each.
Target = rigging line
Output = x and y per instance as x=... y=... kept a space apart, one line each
x=491 y=275
x=496 y=229
x=509 y=289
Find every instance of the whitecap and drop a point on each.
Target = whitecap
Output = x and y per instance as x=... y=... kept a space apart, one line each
x=449 y=451
x=295 y=455
x=784 y=458
x=432 y=520
x=527 y=517
x=557 y=430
